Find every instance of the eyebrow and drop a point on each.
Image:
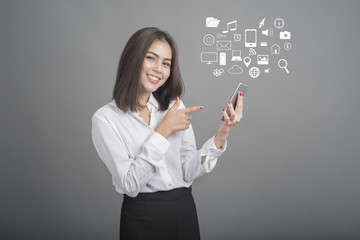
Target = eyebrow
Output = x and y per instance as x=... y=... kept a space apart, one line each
x=169 y=59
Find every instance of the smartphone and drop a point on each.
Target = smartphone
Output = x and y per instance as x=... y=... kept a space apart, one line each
x=222 y=59
x=250 y=37
x=240 y=88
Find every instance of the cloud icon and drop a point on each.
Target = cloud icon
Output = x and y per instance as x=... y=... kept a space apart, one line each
x=235 y=70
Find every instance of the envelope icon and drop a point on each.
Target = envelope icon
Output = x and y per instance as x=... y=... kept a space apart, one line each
x=223 y=45
x=212 y=22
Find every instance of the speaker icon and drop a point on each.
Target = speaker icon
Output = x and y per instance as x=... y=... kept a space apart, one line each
x=268 y=32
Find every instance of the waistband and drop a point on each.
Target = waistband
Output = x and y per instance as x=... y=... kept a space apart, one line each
x=171 y=195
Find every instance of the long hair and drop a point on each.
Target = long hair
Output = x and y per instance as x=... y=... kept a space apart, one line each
x=127 y=89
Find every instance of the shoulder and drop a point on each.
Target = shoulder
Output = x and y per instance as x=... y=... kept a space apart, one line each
x=107 y=112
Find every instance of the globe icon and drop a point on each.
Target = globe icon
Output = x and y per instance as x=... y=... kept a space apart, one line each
x=254 y=72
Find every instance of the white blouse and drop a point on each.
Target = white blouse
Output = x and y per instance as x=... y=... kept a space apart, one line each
x=140 y=159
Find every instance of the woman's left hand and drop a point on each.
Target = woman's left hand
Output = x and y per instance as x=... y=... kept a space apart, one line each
x=229 y=122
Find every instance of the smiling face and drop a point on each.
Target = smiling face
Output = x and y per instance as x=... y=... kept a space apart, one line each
x=156 y=67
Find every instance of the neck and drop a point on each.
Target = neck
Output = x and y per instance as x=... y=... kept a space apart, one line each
x=144 y=98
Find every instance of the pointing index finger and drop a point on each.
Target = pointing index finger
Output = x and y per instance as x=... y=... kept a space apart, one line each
x=193 y=109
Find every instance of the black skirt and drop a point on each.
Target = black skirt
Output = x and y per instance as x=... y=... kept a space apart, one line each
x=164 y=215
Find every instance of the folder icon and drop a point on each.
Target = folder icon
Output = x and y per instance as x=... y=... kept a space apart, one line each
x=212 y=22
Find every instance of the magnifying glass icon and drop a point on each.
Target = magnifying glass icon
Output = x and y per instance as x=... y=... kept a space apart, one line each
x=283 y=64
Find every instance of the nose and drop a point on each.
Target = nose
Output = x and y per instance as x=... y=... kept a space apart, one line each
x=158 y=67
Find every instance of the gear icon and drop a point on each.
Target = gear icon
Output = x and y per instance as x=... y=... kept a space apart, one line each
x=218 y=72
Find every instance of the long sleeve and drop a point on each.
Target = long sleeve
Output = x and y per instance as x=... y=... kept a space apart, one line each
x=129 y=173
x=191 y=157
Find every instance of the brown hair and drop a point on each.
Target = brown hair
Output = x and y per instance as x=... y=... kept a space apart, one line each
x=128 y=87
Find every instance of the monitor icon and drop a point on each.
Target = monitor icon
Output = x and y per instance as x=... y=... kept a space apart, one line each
x=209 y=57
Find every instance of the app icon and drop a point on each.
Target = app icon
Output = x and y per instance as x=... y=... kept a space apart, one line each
x=223 y=45
x=235 y=70
x=236 y=55
x=285 y=35
x=231 y=25
x=279 y=23
x=275 y=49
x=287 y=46
x=237 y=37
x=254 y=72
x=212 y=22
x=218 y=72
x=208 y=39
x=262 y=23
x=262 y=59
x=247 y=61
x=209 y=57
x=282 y=63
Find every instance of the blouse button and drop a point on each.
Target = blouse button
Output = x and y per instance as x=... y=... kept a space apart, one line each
x=169 y=185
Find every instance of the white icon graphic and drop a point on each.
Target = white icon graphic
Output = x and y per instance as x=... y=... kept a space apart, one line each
x=285 y=35
x=279 y=23
x=235 y=70
x=282 y=63
x=254 y=72
x=263 y=59
x=212 y=22
x=262 y=23
x=218 y=72
x=209 y=57
x=237 y=37
x=287 y=46
x=222 y=51
x=236 y=55
x=247 y=61
x=232 y=25
x=275 y=49
x=250 y=37
x=208 y=39
x=268 y=32
x=252 y=52
x=222 y=59
x=223 y=45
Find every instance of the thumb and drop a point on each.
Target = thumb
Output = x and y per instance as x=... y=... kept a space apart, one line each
x=176 y=105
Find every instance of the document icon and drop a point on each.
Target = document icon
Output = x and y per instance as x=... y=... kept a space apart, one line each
x=212 y=22
x=223 y=45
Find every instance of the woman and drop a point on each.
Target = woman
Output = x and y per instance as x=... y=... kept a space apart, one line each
x=145 y=138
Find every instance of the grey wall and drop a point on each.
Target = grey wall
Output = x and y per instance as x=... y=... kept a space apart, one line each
x=292 y=167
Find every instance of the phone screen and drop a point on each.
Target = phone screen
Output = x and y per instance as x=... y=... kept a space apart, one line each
x=250 y=37
x=240 y=88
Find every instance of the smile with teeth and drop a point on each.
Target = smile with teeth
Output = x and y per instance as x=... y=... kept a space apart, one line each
x=153 y=79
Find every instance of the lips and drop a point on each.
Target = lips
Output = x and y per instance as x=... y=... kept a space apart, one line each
x=153 y=79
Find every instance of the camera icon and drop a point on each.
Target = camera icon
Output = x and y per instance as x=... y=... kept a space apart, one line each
x=285 y=35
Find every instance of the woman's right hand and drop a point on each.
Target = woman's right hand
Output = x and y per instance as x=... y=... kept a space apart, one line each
x=176 y=120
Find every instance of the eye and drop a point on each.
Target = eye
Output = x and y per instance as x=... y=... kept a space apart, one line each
x=167 y=64
x=150 y=58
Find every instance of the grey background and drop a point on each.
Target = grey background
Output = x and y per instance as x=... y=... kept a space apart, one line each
x=291 y=170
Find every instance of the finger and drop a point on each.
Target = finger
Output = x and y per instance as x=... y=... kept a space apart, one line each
x=225 y=115
x=176 y=104
x=231 y=111
x=239 y=102
x=193 y=109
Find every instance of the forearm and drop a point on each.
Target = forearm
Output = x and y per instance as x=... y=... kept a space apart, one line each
x=220 y=140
